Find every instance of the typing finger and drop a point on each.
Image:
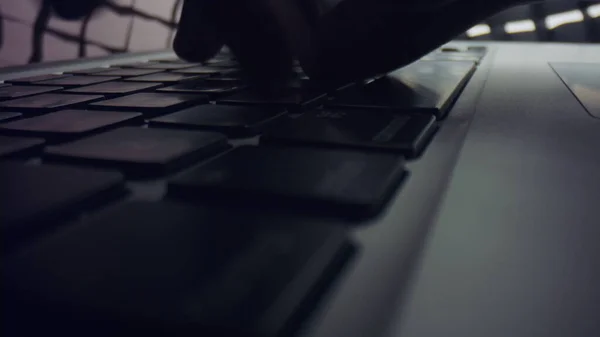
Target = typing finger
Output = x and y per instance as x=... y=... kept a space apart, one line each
x=198 y=37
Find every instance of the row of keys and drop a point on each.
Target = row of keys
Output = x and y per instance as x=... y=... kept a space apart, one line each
x=347 y=183
x=427 y=86
x=151 y=103
x=385 y=131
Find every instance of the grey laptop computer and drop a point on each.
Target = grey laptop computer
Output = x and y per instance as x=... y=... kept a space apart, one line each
x=456 y=196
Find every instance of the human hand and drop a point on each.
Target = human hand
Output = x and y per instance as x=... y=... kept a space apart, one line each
x=354 y=40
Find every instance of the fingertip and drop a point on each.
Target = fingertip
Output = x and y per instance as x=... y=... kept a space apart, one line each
x=195 y=49
x=197 y=38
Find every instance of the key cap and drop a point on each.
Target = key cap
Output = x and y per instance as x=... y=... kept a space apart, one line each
x=423 y=87
x=35 y=198
x=127 y=72
x=385 y=131
x=141 y=152
x=223 y=80
x=33 y=79
x=164 y=66
x=17 y=146
x=115 y=88
x=291 y=98
x=68 y=124
x=88 y=71
x=78 y=80
x=16 y=91
x=180 y=270
x=213 y=89
x=47 y=102
x=235 y=121
x=164 y=78
x=172 y=60
x=347 y=183
x=199 y=70
x=7 y=116
x=152 y=103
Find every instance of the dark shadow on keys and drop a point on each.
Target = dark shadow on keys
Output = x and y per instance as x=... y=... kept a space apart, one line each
x=165 y=269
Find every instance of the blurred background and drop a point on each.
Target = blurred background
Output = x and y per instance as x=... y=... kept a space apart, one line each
x=559 y=21
x=29 y=32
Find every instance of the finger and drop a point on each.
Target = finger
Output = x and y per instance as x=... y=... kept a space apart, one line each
x=75 y=9
x=198 y=38
x=251 y=31
x=358 y=39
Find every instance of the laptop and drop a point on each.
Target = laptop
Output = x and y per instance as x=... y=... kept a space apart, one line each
x=456 y=196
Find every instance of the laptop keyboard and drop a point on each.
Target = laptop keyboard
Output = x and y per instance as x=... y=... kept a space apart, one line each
x=109 y=166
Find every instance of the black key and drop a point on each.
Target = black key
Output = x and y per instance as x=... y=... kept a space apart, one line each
x=16 y=91
x=17 y=146
x=231 y=120
x=78 y=80
x=68 y=123
x=205 y=87
x=164 y=78
x=292 y=98
x=386 y=131
x=115 y=88
x=152 y=103
x=424 y=87
x=7 y=116
x=172 y=60
x=141 y=152
x=33 y=79
x=88 y=71
x=345 y=182
x=127 y=72
x=34 y=198
x=164 y=66
x=176 y=269
x=47 y=102
x=200 y=70
x=225 y=80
